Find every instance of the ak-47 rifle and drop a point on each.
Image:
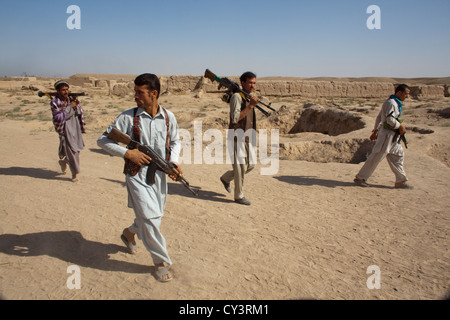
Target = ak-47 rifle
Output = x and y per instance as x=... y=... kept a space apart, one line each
x=72 y=95
x=157 y=163
x=234 y=88
x=397 y=138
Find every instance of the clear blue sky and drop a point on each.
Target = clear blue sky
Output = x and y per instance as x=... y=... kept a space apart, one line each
x=271 y=38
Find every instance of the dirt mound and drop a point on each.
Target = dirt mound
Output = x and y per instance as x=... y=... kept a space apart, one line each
x=440 y=152
x=313 y=118
x=327 y=121
x=325 y=151
x=303 y=130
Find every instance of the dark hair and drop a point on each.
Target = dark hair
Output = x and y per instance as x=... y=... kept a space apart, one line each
x=150 y=80
x=401 y=87
x=247 y=75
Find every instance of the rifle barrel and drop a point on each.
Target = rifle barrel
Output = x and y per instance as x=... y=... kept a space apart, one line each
x=260 y=102
x=71 y=94
x=266 y=105
x=210 y=75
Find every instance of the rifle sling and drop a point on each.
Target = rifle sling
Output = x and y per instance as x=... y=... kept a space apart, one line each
x=130 y=167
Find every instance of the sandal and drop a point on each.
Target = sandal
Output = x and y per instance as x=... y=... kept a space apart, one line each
x=404 y=186
x=161 y=272
x=132 y=246
x=361 y=182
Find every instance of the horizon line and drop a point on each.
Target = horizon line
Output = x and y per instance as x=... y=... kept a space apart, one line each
x=194 y=75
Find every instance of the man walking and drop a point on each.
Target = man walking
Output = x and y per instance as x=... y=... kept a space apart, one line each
x=387 y=124
x=152 y=125
x=242 y=116
x=69 y=124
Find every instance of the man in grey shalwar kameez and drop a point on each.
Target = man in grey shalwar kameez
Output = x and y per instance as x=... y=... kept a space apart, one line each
x=242 y=116
x=388 y=122
x=157 y=128
x=69 y=124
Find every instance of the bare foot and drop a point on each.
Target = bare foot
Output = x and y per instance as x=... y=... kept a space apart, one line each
x=63 y=166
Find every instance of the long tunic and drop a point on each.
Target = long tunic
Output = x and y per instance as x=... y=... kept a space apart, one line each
x=384 y=140
x=242 y=161
x=384 y=146
x=69 y=124
x=148 y=201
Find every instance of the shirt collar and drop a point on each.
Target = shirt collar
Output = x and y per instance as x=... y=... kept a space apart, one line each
x=158 y=114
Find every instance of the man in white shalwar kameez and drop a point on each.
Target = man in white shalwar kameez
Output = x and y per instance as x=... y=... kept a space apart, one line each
x=147 y=200
x=388 y=122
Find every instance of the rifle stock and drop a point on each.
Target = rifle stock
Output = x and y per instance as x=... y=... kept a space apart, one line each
x=210 y=75
x=119 y=136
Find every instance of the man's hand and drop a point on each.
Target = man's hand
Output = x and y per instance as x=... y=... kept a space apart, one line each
x=253 y=101
x=401 y=130
x=175 y=177
x=74 y=103
x=137 y=157
x=374 y=135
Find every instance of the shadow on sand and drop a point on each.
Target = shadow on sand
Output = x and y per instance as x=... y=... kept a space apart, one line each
x=71 y=247
x=179 y=189
x=33 y=173
x=313 y=181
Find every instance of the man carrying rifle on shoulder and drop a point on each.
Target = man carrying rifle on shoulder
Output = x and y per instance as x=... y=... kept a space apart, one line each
x=150 y=125
x=242 y=116
x=69 y=124
x=388 y=133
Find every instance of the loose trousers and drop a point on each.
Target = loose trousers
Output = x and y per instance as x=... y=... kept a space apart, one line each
x=65 y=153
x=239 y=171
x=148 y=231
x=393 y=152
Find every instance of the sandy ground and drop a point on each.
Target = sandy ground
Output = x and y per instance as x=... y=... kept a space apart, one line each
x=310 y=233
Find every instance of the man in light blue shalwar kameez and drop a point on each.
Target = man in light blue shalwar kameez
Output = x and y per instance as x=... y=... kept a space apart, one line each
x=147 y=200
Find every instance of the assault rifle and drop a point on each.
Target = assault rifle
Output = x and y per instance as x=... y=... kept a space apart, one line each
x=72 y=95
x=397 y=138
x=157 y=163
x=234 y=88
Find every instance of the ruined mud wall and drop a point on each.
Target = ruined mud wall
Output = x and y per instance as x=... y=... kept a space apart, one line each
x=305 y=88
x=123 y=85
x=334 y=89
